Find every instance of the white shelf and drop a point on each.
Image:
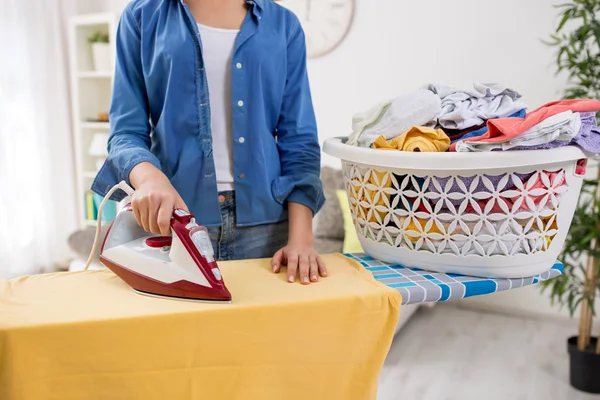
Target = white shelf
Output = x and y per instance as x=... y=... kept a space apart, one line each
x=91 y=92
x=95 y=74
x=95 y=125
x=93 y=19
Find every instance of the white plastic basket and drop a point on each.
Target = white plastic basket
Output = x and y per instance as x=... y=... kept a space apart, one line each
x=500 y=214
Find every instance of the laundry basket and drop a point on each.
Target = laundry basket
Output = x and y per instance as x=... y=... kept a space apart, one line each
x=498 y=214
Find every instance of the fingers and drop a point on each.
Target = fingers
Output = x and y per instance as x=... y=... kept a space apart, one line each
x=321 y=266
x=277 y=261
x=314 y=269
x=308 y=266
x=179 y=203
x=153 y=207
x=153 y=213
x=304 y=269
x=163 y=219
x=137 y=212
x=153 y=203
x=292 y=266
x=140 y=209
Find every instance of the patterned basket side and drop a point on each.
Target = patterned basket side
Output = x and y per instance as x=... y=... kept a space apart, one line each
x=481 y=215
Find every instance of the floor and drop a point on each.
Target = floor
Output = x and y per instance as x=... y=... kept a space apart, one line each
x=447 y=353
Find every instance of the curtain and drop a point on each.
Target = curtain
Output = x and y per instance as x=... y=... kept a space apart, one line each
x=37 y=185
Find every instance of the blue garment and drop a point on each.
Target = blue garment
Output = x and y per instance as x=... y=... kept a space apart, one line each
x=160 y=111
x=484 y=129
x=231 y=242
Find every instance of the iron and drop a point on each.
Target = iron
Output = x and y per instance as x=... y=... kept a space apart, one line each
x=181 y=266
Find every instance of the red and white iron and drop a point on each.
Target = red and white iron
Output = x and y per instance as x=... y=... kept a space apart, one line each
x=181 y=266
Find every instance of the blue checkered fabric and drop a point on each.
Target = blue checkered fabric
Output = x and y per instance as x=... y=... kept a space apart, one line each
x=418 y=286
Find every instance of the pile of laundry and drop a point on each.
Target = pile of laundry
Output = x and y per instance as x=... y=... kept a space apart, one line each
x=486 y=117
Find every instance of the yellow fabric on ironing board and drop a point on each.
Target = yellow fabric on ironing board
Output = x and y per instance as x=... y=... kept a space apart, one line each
x=87 y=335
x=417 y=138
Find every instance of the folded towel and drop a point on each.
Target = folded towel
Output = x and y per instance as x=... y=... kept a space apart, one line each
x=389 y=119
x=418 y=139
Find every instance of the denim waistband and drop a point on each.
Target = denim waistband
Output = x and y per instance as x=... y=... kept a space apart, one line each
x=227 y=198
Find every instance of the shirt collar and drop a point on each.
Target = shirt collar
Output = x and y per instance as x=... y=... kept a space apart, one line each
x=257 y=6
x=259 y=3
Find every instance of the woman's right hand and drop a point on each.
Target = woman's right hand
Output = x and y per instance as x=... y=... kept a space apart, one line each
x=154 y=199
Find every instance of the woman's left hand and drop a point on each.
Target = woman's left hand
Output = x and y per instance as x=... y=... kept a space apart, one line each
x=301 y=259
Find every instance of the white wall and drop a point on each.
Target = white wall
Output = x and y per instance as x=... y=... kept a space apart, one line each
x=395 y=46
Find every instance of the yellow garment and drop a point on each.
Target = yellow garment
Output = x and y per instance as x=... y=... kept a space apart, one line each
x=551 y=225
x=421 y=228
x=88 y=336
x=379 y=179
x=417 y=138
x=351 y=242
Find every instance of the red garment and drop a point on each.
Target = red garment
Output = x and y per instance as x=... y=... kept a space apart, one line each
x=504 y=129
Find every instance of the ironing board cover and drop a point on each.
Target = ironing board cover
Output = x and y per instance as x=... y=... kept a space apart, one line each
x=418 y=286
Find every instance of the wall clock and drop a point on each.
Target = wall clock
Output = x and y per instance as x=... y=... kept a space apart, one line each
x=325 y=22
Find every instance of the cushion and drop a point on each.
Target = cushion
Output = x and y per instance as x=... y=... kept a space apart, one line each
x=328 y=222
x=81 y=242
x=329 y=246
x=351 y=242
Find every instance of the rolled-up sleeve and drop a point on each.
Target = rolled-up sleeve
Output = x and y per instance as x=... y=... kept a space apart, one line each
x=129 y=139
x=297 y=137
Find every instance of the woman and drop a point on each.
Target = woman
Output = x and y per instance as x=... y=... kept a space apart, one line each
x=212 y=112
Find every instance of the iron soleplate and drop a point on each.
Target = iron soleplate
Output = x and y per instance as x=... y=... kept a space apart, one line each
x=160 y=296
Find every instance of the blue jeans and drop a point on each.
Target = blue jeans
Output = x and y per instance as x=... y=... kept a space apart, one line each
x=238 y=243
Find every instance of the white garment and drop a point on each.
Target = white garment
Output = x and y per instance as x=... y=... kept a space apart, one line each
x=560 y=127
x=217 y=50
x=465 y=108
x=563 y=126
x=393 y=118
x=38 y=200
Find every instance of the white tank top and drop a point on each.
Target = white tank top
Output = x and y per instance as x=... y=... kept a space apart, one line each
x=217 y=50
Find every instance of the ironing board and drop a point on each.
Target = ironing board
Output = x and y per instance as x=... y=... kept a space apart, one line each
x=418 y=286
x=87 y=335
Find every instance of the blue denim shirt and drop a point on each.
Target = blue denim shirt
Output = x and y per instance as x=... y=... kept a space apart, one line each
x=160 y=111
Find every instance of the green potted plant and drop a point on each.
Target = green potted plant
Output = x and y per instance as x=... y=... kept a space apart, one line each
x=577 y=40
x=100 y=51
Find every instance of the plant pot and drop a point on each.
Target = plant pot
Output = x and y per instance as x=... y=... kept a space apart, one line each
x=101 y=56
x=584 y=366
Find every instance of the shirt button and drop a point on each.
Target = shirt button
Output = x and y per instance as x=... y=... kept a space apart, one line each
x=240 y=103
x=241 y=140
x=241 y=176
x=238 y=65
